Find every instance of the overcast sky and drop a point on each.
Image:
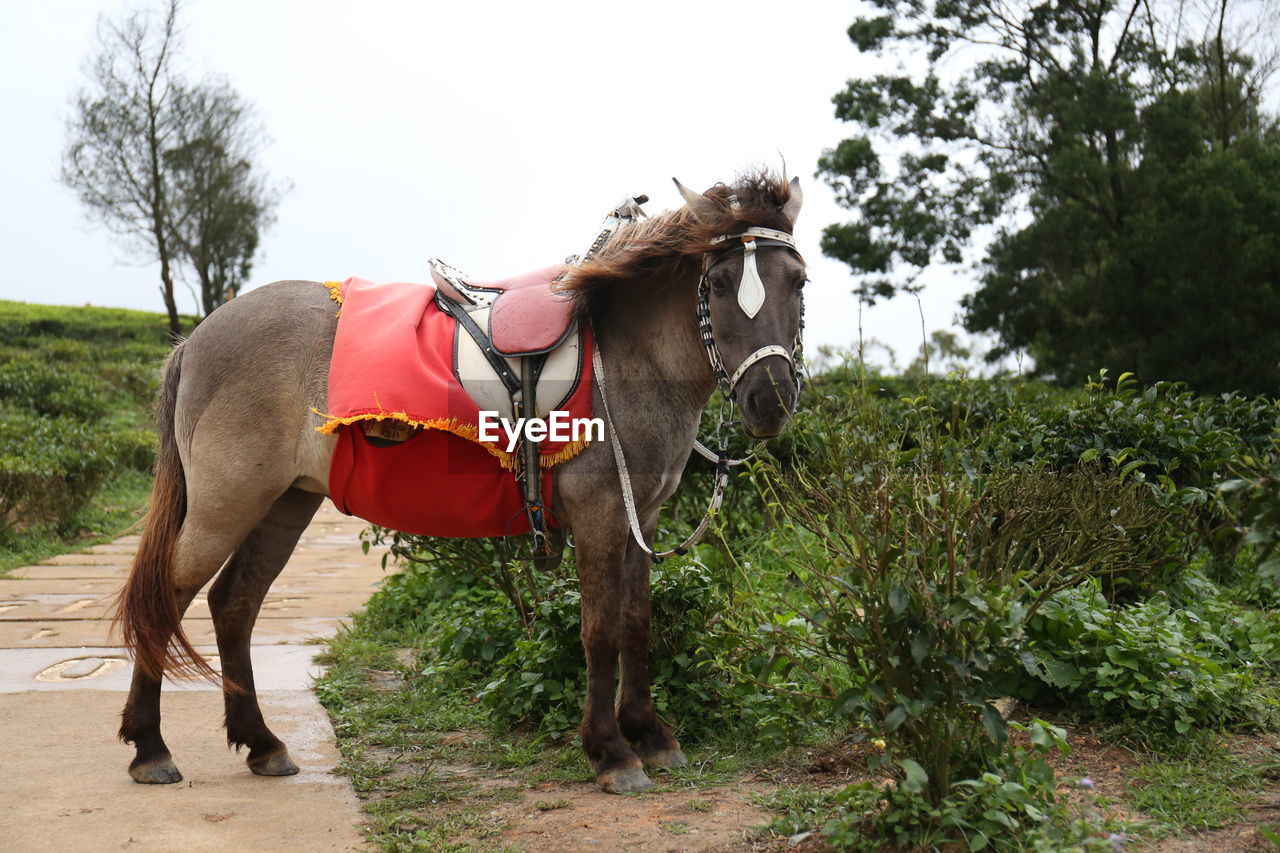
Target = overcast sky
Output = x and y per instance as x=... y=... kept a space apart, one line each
x=493 y=135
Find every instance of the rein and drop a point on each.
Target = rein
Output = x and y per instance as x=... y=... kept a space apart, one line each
x=751 y=295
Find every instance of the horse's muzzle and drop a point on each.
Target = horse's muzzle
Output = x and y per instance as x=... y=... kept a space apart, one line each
x=766 y=398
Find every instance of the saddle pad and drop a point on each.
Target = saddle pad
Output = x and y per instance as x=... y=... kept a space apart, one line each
x=393 y=358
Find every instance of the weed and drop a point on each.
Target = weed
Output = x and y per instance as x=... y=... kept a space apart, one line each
x=1205 y=789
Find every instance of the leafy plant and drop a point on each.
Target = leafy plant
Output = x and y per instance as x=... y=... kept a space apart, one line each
x=931 y=561
x=1151 y=662
x=510 y=635
x=1013 y=805
x=50 y=468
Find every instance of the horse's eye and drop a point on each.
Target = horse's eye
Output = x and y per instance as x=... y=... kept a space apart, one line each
x=801 y=283
x=717 y=285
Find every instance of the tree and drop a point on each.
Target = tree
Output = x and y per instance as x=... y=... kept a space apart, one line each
x=165 y=165
x=119 y=128
x=221 y=201
x=1121 y=159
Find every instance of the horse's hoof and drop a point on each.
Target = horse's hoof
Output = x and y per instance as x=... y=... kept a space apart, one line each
x=158 y=771
x=624 y=780
x=276 y=763
x=668 y=759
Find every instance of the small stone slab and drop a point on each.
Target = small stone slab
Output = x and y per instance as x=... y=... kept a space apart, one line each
x=71 y=571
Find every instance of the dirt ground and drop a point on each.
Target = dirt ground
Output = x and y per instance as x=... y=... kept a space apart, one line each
x=576 y=816
x=730 y=818
x=558 y=816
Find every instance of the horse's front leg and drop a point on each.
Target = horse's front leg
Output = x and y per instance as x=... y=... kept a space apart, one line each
x=601 y=556
x=637 y=716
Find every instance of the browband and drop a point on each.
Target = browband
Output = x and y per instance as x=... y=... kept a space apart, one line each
x=751 y=293
x=757 y=231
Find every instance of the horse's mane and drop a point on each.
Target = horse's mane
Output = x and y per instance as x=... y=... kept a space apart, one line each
x=657 y=247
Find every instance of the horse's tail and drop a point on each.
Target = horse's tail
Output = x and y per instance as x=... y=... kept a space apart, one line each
x=147 y=608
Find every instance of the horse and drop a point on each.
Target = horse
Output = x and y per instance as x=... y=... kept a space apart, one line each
x=241 y=469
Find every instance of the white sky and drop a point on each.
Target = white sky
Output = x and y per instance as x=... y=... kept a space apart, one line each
x=491 y=134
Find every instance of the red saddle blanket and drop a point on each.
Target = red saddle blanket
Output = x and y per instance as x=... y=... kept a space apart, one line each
x=393 y=359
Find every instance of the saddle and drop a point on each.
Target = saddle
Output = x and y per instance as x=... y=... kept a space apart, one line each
x=520 y=332
x=507 y=321
x=526 y=315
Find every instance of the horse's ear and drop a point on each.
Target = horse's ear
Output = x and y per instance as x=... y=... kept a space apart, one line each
x=792 y=208
x=702 y=206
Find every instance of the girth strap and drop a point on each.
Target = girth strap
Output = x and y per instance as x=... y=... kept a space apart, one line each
x=530 y=471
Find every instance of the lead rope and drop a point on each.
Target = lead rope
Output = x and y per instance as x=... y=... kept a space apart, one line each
x=630 y=210
x=721 y=458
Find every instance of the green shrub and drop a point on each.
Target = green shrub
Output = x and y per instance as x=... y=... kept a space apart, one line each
x=1013 y=805
x=1154 y=432
x=1251 y=501
x=512 y=636
x=932 y=560
x=75 y=392
x=50 y=468
x=1154 y=664
x=52 y=388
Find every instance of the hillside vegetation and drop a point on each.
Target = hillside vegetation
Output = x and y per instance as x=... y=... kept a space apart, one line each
x=908 y=553
x=76 y=386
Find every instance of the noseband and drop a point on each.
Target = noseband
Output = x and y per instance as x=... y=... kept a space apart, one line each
x=751 y=297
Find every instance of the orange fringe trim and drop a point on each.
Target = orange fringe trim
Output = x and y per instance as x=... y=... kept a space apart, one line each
x=565 y=453
x=335 y=290
x=468 y=431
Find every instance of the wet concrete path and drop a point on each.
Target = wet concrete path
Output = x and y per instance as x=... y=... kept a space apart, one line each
x=63 y=681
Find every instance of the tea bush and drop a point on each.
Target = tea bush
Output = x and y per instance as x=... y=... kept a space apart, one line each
x=75 y=395
x=1156 y=665
x=1251 y=502
x=1161 y=433
x=49 y=468
x=1013 y=805
x=934 y=558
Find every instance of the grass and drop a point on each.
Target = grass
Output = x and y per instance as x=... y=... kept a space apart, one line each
x=1207 y=787
x=395 y=731
x=404 y=737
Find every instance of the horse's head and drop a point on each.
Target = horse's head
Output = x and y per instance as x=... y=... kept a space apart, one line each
x=751 y=297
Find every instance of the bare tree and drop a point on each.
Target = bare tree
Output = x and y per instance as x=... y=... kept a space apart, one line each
x=121 y=124
x=166 y=165
x=220 y=200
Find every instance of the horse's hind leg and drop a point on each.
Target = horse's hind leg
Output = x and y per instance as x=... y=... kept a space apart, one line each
x=199 y=552
x=234 y=601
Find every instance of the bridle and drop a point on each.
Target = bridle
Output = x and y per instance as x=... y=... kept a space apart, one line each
x=751 y=296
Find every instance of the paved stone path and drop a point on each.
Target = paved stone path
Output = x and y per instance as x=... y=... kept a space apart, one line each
x=63 y=681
